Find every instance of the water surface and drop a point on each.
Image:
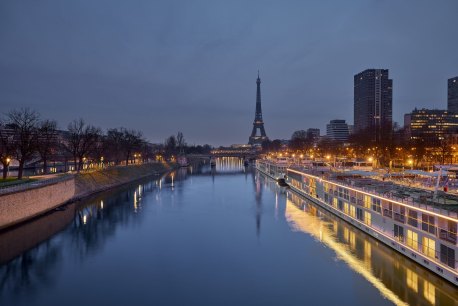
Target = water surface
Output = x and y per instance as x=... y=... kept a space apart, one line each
x=227 y=236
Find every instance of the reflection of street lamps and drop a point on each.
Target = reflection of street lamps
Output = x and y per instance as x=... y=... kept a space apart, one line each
x=410 y=162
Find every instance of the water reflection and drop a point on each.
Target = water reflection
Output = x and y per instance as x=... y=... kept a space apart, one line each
x=32 y=257
x=397 y=278
x=218 y=229
x=29 y=257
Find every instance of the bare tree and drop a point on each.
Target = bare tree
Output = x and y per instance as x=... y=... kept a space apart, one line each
x=180 y=142
x=47 y=141
x=24 y=123
x=81 y=141
x=6 y=147
x=301 y=140
x=131 y=141
x=170 y=145
x=114 y=144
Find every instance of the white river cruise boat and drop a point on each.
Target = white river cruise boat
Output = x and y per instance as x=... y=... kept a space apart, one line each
x=409 y=220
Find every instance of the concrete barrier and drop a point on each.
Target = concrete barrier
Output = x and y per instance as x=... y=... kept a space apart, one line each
x=19 y=206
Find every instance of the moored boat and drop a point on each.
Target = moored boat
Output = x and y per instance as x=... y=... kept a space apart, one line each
x=412 y=221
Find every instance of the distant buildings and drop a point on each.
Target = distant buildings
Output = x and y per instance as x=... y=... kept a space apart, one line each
x=337 y=130
x=313 y=133
x=430 y=125
x=452 y=96
x=373 y=101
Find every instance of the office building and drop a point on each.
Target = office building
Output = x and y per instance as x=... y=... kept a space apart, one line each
x=452 y=95
x=337 y=130
x=431 y=125
x=373 y=102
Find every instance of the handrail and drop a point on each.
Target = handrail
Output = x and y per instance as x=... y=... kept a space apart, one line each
x=406 y=201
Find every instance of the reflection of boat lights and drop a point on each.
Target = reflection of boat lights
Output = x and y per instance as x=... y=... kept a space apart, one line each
x=135 y=201
x=139 y=191
x=84 y=219
x=101 y=204
x=172 y=179
x=309 y=224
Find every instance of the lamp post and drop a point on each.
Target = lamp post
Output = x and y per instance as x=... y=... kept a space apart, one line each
x=8 y=160
x=371 y=160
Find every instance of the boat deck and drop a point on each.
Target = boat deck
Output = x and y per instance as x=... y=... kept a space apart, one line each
x=444 y=203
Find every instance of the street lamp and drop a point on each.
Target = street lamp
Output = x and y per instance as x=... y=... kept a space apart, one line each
x=8 y=160
x=410 y=162
x=370 y=159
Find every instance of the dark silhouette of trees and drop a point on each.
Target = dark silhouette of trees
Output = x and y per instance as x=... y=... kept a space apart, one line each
x=170 y=145
x=24 y=123
x=26 y=138
x=6 y=148
x=181 y=144
x=46 y=141
x=271 y=145
x=301 y=140
x=131 y=141
x=114 y=145
x=327 y=146
x=81 y=140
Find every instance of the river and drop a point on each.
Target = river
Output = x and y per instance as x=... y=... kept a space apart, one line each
x=197 y=236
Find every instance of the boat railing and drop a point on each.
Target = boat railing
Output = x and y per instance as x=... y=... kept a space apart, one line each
x=409 y=201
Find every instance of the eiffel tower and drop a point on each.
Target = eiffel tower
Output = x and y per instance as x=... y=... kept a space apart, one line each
x=258 y=124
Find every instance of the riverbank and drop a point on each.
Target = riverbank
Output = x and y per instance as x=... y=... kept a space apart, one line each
x=29 y=202
x=87 y=184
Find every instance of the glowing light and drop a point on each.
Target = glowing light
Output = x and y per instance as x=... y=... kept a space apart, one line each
x=101 y=204
x=135 y=201
x=375 y=196
x=84 y=219
x=370 y=159
x=306 y=223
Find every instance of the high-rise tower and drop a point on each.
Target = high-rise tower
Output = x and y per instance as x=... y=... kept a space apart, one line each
x=258 y=124
x=452 y=101
x=373 y=94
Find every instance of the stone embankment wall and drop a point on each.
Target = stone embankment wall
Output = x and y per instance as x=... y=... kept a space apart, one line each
x=90 y=183
x=19 y=206
x=22 y=205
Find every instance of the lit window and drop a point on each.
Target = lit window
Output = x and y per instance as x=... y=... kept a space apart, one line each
x=429 y=247
x=412 y=239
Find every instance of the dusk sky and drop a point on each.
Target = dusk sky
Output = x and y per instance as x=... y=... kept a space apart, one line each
x=191 y=66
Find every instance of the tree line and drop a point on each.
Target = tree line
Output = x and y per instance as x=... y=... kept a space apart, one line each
x=176 y=145
x=26 y=137
x=387 y=146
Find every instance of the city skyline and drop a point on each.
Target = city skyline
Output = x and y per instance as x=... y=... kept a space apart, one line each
x=162 y=67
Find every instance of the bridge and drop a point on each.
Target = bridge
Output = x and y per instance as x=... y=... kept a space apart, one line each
x=242 y=153
x=248 y=154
